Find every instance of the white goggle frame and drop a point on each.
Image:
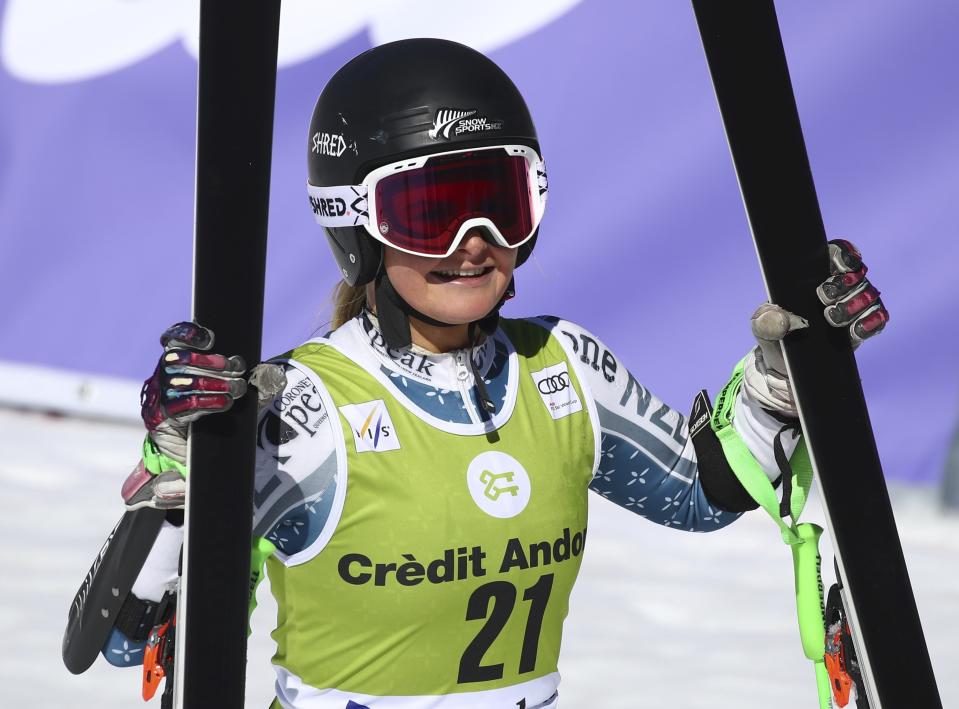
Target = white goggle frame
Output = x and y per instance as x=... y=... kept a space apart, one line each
x=351 y=205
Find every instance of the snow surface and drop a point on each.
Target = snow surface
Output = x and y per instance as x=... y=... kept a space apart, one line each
x=659 y=618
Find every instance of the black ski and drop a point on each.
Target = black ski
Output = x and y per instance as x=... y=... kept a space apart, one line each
x=746 y=59
x=237 y=83
x=105 y=588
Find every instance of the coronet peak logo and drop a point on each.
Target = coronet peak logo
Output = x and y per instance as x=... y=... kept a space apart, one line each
x=456 y=121
x=372 y=427
x=498 y=484
x=557 y=391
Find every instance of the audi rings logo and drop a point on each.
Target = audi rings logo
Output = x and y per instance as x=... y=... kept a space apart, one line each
x=556 y=389
x=553 y=384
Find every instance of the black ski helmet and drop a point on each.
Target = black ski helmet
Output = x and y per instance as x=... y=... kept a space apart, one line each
x=387 y=104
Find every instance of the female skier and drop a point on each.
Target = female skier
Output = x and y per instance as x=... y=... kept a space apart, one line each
x=421 y=479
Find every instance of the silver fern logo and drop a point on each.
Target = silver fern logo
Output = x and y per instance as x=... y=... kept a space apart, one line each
x=444 y=121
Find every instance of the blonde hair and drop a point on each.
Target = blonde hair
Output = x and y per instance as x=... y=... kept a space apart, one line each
x=348 y=301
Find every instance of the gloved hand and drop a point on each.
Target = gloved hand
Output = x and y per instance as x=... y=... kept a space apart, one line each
x=851 y=302
x=188 y=382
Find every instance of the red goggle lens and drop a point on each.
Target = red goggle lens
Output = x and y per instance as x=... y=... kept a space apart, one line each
x=422 y=210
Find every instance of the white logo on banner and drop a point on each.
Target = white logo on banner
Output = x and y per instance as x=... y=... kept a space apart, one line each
x=498 y=484
x=51 y=41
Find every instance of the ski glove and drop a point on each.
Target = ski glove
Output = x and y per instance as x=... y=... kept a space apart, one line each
x=189 y=382
x=851 y=302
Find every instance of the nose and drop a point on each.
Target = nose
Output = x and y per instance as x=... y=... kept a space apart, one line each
x=476 y=240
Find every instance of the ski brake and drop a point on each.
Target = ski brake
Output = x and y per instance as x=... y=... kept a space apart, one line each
x=845 y=674
x=158 y=661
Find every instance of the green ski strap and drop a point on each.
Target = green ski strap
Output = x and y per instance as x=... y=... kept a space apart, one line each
x=802 y=538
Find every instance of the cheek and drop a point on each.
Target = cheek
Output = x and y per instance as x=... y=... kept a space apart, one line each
x=407 y=281
x=407 y=272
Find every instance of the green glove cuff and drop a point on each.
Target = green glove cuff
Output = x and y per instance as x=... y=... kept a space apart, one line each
x=155 y=462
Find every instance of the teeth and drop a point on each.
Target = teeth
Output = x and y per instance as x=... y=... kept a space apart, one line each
x=470 y=272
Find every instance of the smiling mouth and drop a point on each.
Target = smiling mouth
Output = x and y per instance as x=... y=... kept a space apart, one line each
x=447 y=275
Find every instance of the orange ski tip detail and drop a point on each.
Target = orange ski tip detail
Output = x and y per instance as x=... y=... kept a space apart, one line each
x=151 y=680
x=839 y=678
x=153 y=656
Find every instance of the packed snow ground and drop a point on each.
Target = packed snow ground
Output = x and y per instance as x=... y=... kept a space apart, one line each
x=659 y=618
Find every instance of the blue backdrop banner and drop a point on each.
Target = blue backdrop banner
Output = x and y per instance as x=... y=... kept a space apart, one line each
x=645 y=240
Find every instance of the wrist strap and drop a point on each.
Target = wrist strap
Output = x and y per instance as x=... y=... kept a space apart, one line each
x=155 y=462
x=137 y=617
x=802 y=538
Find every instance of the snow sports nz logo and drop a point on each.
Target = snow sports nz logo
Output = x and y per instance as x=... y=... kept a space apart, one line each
x=498 y=484
x=458 y=121
x=372 y=427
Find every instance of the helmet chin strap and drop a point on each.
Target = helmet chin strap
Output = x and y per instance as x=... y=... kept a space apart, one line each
x=393 y=313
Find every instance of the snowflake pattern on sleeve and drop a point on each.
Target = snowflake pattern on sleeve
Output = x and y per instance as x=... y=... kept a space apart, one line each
x=647 y=463
x=633 y=480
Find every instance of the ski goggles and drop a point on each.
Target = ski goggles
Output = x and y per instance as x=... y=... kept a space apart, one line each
x=426 y=205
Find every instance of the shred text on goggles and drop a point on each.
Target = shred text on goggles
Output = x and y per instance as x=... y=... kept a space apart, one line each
x=425 y=205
